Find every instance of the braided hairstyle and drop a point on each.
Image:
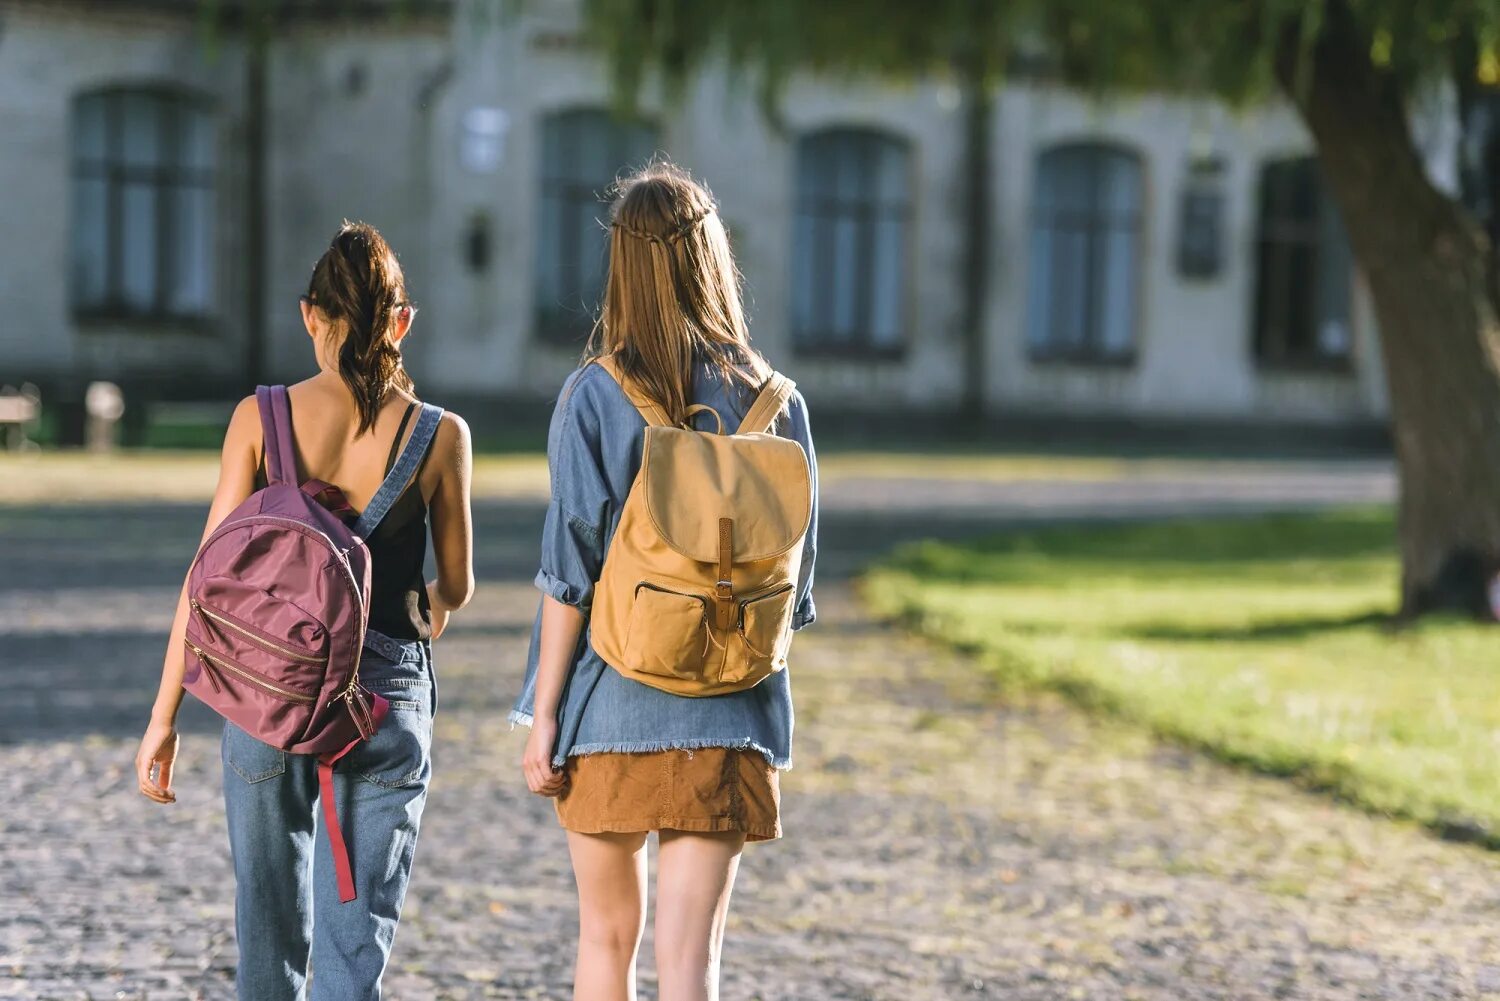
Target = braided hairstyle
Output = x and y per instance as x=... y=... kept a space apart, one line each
x=672 y=297
x=358 y=285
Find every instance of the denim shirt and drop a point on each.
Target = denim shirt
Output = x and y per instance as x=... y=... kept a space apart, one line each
x=593 y=454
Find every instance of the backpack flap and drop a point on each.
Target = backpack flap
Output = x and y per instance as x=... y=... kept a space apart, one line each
x=760 y=482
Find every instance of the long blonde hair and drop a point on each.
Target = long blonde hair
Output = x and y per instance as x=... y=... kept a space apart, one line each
x=672 y=298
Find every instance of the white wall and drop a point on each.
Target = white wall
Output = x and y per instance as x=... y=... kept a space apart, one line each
x=485 y=341
x=1194 y=354
x=46 y=58
x=365 y=122
x=347 y=140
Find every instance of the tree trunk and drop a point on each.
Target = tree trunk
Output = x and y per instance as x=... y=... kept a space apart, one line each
x=1432 y=276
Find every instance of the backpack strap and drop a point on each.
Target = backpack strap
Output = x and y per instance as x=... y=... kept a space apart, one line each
x=653 y=413
x=772 y=399
x=343 y=871
x=276 y=432
x=400 y=476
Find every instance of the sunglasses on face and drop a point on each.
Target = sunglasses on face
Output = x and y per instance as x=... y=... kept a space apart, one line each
x=411 y=310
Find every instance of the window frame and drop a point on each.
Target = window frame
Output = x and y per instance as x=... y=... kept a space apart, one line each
x=867 y=211
x=573 y=196
x=166 y=177
x=1289 y=233
x=1092 y=353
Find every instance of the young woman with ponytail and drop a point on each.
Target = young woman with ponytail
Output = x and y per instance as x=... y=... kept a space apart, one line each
x=622 y=758
x=353 y=422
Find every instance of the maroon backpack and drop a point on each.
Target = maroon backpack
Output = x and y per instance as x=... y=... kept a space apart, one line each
x=279 y=597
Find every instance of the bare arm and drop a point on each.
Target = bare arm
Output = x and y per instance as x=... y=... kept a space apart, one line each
x=452 y=522
x=237 y=466
x=562 y=625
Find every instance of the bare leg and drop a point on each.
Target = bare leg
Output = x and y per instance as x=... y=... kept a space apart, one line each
x=695 y=874
x=611 y=874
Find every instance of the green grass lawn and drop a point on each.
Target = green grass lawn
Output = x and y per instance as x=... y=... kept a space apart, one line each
x=1264 y=641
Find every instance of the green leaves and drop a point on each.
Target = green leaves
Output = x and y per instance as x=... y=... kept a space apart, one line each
x=1227 y=47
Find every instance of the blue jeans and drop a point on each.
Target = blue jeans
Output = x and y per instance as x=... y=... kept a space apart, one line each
x=286 y=904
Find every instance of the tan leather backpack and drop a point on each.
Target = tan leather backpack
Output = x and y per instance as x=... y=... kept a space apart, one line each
x=698 y=586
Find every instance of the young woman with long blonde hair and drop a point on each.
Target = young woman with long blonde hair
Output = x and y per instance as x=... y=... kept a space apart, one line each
x=623 y=758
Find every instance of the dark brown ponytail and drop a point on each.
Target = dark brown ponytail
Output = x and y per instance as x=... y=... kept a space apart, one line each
x=358 y=281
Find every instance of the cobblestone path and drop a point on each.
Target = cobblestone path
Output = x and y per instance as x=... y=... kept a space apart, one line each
x=942 y=842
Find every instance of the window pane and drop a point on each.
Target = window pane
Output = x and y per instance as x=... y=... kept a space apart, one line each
x=1119 y=195
x=582 y=154
x=89 y=128
x=141 y=130
x=1069 y=296
x=815 y=168
x=191 y=252
x=1085 y=248
x=1335 y=267
x=588 y=139
x=890 y=181
x=90 y=278
x=843 y=168
x=1039 y=289
x=1303 y=283
x=590 y=251
x=850 y=239
x=196 y=138
x=1299 y=324
x=844 y=291
x=554 y=158
x=138 y=246
x=549 y=250
x=1198 y=238
x=1115 y=284
x=886 y=312
x=804 y=278
x=1067 y=181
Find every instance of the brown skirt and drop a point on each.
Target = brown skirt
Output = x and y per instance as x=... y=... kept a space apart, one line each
x=707 y=789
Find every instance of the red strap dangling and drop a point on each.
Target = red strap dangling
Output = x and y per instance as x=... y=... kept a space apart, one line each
x=342 y=869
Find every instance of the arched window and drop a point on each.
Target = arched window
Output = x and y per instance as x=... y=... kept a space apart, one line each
x=1303 y=267
x=583 y=151
x=143 y=204
x=850 y=243
x=1084 y=296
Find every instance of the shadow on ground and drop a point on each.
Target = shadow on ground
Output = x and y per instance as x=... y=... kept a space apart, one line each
x=88 y=592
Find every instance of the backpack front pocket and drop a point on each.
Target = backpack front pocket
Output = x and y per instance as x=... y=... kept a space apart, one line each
x=765 y=620
x=668 y=633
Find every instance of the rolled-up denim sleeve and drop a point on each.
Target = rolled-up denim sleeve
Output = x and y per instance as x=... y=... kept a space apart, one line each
x=573 y=534
x=800 y=430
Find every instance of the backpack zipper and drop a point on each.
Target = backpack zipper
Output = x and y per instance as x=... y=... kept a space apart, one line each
x=218 y=661
x=351 y=691
x=773 y=592
x=205 y=612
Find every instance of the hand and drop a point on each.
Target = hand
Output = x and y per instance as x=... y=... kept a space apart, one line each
x=158 y=754
x=536 y=762
x=440 y=613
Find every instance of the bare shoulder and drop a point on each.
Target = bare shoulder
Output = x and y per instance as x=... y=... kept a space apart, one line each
x=452 y=443
x=244 y=425
x=452 y=433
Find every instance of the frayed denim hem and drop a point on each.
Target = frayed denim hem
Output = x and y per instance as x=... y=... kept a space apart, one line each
x=650 y=746
x=518 y=718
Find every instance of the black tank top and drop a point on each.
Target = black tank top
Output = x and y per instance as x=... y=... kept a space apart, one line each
x=398 y=554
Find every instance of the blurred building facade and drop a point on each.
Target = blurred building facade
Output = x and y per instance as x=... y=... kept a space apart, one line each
x=168 y=187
